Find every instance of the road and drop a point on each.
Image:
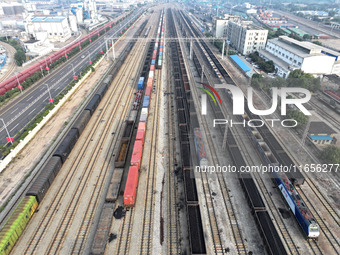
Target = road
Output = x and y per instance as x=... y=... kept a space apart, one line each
x=316 y=26
x=17 y=115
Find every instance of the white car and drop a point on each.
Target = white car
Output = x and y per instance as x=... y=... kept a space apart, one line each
x=83 y=56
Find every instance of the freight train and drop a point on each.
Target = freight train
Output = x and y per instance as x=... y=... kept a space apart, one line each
x=266 y=227
x=131 y=186
x=298 y=207
x=46 y=62
x=187 y=122
x=17 y=221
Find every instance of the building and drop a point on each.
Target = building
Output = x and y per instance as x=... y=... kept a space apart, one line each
x=11 y=8
x=289 y=54
x=320 y=133
x=246 y=37
x=221 y=25
x=54 y=28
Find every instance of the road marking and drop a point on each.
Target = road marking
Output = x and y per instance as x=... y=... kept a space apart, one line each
x=14 y=127
x=28 y=99
x=14 y=110
x=31 y=111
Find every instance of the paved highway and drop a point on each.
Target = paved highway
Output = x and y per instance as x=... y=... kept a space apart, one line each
x=18 y=114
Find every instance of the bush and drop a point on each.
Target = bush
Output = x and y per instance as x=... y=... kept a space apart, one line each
x=298 y=116
x=331 y=155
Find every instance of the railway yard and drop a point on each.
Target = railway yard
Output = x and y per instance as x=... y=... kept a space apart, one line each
x=128 y=175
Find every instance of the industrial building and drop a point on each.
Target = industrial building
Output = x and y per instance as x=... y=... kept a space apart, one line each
x=289 y=54
x=246 y=37
x=11 y=8
x=320 y=133
x=55 y=28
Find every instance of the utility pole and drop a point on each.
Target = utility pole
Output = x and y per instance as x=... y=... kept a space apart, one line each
x=202 y=74
x=225 y=137
x=191 y=49
x=223 y=48
x=9 y=138
x=305 y=133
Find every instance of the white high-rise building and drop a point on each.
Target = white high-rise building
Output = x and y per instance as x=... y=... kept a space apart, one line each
x=221 y=25
x=246 y=37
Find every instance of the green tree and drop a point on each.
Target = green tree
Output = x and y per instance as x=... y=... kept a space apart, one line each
x=279 y=82
x=317 y=43
x=257 y=81
x=298 y=116
x=331 y=155
x=298 y=78
x=306 y=37
x=331 y=13
x=20 y=57
x=296 y=37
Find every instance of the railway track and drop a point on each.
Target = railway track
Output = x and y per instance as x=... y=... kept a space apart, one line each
x=280 y=224
x=315 y=246
x=325 y=114
x=80 y=186
x=291 y=247
x=127 y=226
x=148 y=217
x=219 y=248
x=123 y=246
x=173 y=234
x=11 y=67
x=325 y=230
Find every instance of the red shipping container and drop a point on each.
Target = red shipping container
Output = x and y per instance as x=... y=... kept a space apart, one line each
x=154 y=55
x=149 y=83
x=148 y=91
x=131 y=186
x=152 y=68
x=141 y=126
x=140 y=134
x=137 y=154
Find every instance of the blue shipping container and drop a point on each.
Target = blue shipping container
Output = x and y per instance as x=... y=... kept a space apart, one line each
x=141 y=83
x=146 y=101
x=152 y=62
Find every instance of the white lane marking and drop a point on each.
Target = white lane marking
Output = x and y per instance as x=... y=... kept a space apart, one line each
x=14 y=110
x=31 y=111
x=14 y=127
x=28 y=99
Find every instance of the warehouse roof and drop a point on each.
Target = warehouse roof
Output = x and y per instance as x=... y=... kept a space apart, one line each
x=48 y=19
x=319 y=127
x=321 y=137
x=303 y=49
x=240 y=63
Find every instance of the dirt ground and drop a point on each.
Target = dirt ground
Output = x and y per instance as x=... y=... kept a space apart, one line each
x=33 y=152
